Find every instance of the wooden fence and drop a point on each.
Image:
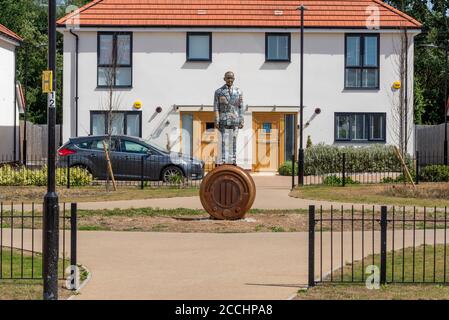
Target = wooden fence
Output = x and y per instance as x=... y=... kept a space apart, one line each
x=430 y=141
x=36 y=137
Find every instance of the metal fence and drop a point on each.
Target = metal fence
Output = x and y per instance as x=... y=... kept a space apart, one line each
x=21 y=240
x=404 y=244
x=138 y=170
x=344 y=169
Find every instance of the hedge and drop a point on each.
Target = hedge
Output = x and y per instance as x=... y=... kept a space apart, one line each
x=10 y=176
x=324 y=159
x=435 y=173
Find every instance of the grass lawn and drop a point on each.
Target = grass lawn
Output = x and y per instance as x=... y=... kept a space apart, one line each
x=403 y=271
x=189 y=220
x=13 y=289
x=93 y=193
x=426 y=194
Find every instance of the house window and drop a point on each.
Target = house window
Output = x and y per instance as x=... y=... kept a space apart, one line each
x=277 y=47
x=289 y=137
x=122 y=123
x=114 y=59
x=362 y=61
x=360 y=127
x=199 y=46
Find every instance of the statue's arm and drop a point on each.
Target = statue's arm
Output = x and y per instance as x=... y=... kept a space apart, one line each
x=216 y=109
x=241 y=110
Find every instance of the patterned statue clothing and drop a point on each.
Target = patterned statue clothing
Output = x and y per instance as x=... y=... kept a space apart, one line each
x=228 y=108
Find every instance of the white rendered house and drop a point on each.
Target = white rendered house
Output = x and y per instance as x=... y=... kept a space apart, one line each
x=9 y=113
x=169 y=60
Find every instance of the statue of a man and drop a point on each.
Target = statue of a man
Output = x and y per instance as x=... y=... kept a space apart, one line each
x=228 y=108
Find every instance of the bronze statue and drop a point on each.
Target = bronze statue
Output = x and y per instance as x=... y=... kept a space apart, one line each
x=228 y=108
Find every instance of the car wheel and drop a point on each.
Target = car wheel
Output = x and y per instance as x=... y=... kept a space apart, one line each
x=172 y=174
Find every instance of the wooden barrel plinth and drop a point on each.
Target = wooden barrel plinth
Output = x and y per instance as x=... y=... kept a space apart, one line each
x=227 y=192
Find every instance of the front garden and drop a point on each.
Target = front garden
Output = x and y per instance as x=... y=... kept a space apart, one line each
x=413 y=266
x=17 y=266
x=425 y=194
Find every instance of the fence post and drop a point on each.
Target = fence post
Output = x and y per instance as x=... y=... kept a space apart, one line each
x=311 y=281
x=301 y=167
x=383 y=245
x=293 y=171
x=343 y=170
x=68 y=172
x=142 y=163
x=417 y=168
x=73 y=240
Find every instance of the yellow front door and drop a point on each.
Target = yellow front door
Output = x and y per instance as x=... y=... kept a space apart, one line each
x=268 y=141
x=203 y=136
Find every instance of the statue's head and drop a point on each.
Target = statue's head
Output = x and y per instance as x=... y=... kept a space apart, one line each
x=229 y=78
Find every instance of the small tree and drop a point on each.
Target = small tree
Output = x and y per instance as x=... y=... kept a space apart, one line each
x=401 y=112
x=111 y=104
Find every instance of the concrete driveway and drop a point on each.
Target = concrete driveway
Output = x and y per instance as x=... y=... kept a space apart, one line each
x=133 y=265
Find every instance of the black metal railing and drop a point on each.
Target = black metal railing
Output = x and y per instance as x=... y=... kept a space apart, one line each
x=345 y=169
x=130 y=170
x=405 y=245
x=21 y=240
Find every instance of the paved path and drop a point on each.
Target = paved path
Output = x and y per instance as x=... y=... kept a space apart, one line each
x=132 y=265
x=272 y=193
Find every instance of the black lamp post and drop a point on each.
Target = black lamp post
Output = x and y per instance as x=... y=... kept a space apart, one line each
x=50 y=241
x=446 y=102
x=302 y=8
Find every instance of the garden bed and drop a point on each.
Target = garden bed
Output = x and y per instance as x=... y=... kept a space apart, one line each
x=426 y=194
x=93 y=193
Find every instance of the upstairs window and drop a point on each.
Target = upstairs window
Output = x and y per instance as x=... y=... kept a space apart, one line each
x=199 y=46
x=277 y=47
x=362 y=61
x=114 y=59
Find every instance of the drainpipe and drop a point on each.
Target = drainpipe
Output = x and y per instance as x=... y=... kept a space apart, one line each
x=15 y=106
x=76 y=80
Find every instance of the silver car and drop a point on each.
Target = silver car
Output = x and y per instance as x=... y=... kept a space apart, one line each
x=131 y=159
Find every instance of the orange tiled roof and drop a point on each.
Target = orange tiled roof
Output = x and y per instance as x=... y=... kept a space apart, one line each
x=5 y=31
x=236 y=13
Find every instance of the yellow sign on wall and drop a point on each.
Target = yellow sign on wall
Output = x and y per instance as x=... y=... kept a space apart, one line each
x=47 y=81
x=397 y=85
x=138 y=105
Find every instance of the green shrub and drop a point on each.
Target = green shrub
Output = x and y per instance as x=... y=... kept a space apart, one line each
x=286 y=168
x=309 y=143
x=399 y=178
x=334 y=180
x=435 y=173
x=388 y=180
x=323 y=159
x=22 y=176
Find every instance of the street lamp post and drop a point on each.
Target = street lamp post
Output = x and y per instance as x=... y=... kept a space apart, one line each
x=445 y=102
x=50 y=241
x=302 y=8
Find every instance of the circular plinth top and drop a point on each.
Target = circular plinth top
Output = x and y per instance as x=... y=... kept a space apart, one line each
x=227 y=192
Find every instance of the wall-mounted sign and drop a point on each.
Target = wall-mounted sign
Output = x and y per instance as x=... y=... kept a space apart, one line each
x=397 y=85
x=137 y=105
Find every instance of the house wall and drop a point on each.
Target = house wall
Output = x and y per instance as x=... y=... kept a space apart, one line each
x=7 y=107
x=162 y=77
